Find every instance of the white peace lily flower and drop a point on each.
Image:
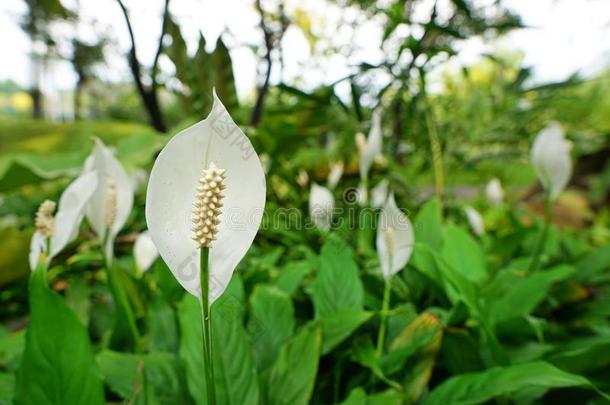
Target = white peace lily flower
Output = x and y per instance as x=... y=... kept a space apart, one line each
x=214 y=164
x=551 y=159
x=475 y=220
x=112 y=201
x=379 y=194
x=372 y=148
x=395 y=238
x=144 y=251
x=494 y=191
x=335 y=174
x=362 y=194
x=321 y=206
x=56 y=231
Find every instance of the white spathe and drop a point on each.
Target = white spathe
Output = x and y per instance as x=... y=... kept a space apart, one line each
x=67 y=220
x=110 y=173
x=172 y=189
x=335 y=174
x=144 y=251
x=372 y=147
x=321 y=206
x=395 y=238
x=494 y=192
x=551 y=159
x=379 y=193
x=475 y=220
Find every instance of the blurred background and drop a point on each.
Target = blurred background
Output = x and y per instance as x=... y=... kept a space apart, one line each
x=478 y=77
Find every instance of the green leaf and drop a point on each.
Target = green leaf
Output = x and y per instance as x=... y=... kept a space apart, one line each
x=223 y=76
x=463 y=254
x=163 y=326
x=158 y=375
x=7 y=388
x=58 y=366
x=339 y=326
x=234 y=369
x=357 y=396
x=292 y=274
x=337 y=285
x=11 y=348
x=291 y=379
x=583 y=355
x=429 y=225
x=513 y=294
x=477 y=388
x=271 y=323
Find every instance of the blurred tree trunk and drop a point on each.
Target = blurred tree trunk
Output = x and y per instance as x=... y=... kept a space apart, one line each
x=148 y=94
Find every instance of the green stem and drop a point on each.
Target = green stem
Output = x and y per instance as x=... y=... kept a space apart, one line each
x=120 y=299
x=548 y=216
x=437 y=155
x=383 y=315
x=206 y=325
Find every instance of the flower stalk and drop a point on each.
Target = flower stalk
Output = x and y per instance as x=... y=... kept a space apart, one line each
x=206 y=326
x=548 y=217
x=385 y=307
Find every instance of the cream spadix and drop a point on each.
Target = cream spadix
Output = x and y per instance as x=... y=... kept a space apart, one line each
x=551 y=159
x=56 y=230
x=175 y=189
x=394 y=238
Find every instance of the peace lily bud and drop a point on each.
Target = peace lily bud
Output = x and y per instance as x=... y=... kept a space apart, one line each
x=302 y=178
x=379 y=194
x=144 y=251
x=179 y=177
x=372 y=148
x=475 y=220
x=334 y=175
x=551 y=159
x=108 y=210
x=494 y=192
x=321 y=206
x=55 y=232
x=394 y=238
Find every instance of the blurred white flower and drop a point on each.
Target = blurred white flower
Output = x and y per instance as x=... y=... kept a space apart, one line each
x=370 y=149
x=494 y=192
x=139 y=178
x=395 y=238
x=379 y=193
x=56 y=231
x=176 y=180
x=321 y=206
x=551 y=159
x=109 y=208
x=475 y=220
x=334 y=175
x=144 y=251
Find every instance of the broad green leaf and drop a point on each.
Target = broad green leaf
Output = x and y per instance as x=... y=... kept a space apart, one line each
x=290 y=381
x=223 y=76
x=429 y=225
x=583 y=355
x=234 y=368
x=460 y=353
x=57 y=366
x=422 y=336
x=477 y=388
x=11 y=348
x=14 y=254
x=292 y=274
x=388 y=397
x=162 y=326
x=7 y=388
x=512 y=294
x=357 y=396
x=463 y=254
x=337 y=285
x=158 y=375
x=339 y=326
x=271 y=323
